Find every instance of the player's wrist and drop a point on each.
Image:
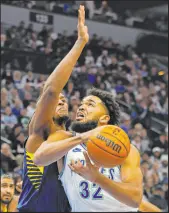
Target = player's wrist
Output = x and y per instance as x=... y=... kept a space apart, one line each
x=97 y=177
x=81 y=41
x=85 y=136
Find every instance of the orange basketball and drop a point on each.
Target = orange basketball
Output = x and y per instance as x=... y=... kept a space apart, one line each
x=109 y=147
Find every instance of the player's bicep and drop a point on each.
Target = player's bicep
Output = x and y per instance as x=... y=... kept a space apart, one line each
x=33 y=143
x=130 y=170
x=45 y=108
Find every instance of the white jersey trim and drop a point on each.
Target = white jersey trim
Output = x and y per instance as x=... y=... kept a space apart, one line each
x=63 y=169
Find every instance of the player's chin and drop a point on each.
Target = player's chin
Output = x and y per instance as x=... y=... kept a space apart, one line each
x=63 y=113
x=80 y=120
x=6 y=200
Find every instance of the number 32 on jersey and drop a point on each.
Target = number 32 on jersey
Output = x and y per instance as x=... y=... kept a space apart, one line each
x=90 y=190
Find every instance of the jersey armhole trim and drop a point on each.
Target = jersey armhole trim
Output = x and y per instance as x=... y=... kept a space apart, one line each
x=63 y=169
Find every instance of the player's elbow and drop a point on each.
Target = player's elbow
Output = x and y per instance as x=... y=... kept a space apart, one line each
x=38 y=158
x=50 y=92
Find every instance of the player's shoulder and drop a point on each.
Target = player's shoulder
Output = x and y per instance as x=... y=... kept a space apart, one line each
x=60 y=135
x=133 y=156
x=134 y=150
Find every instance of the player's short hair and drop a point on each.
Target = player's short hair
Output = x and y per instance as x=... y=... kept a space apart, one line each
x=7 y=176
x=110 y=102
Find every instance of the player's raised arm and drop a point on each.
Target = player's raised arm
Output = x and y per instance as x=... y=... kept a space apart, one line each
x=53 y=86
x=63 y=71
x=58 y=79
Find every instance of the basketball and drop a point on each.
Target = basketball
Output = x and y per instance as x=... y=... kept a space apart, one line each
x=109 y=147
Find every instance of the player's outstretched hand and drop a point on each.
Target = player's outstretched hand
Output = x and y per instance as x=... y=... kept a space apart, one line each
x=89 y=172
x=82 y=29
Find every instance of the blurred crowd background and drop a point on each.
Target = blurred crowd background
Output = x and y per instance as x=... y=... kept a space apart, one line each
x=138 y=80
x=112 y=12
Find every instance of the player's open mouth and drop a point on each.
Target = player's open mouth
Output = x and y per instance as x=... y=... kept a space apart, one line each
x=7 y=196
x=80 y=116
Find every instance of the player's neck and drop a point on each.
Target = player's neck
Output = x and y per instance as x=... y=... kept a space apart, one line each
x=60 y=127
x=63 y=127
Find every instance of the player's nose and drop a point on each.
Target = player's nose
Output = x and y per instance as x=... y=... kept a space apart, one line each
x=61 y=103
x=82 y=109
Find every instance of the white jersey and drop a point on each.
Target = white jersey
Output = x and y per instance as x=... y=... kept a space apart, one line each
x=85 y=196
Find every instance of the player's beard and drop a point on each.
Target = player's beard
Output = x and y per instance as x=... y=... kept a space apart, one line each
x=61 y=120
x=6 y=202
x=83 y=127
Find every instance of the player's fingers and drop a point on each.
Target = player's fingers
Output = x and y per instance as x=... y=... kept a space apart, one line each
x=83 y=15
x=72 y=162
x=79 y=17
x=79 y=164
x=87 y=158
x=71 y=167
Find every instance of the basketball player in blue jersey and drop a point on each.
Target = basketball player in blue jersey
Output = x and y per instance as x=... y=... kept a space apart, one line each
x=42 y=191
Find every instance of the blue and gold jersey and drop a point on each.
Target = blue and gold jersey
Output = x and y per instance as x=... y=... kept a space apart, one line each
x=41 y=191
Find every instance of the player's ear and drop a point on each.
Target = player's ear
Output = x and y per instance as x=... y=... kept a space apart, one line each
x=104 y=119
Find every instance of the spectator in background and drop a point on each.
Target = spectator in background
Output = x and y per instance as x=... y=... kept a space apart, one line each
x=89 y=59
x=21 y=26
x=91 y=7
x=105 y=8
x=14 y=133
x=17 y=107
x=8 y=118
x=4 y=100
x=27 y=99
x=156 y=154
x=30 y=28
x=17 y=79
x=137 y=142
x=43 y=33
x=70 y=89
x=31 y=108
x=146 y=157
x=164 y=166
x=29 y=78
x=158 y=198
x=125 y=122
x=19 y=143
x=161 y=142
x=7 y=194
x=23 y=118
x=7 y=78
x=8 y=161
x=103 y=60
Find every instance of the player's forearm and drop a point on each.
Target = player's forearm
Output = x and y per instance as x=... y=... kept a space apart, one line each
x=148 y=207
x=62 y=72
x=124 y=192
x=49 y=153
x=52 y=152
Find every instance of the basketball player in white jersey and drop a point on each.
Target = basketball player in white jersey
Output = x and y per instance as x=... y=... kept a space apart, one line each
x=88 y=188
x=119 y=188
